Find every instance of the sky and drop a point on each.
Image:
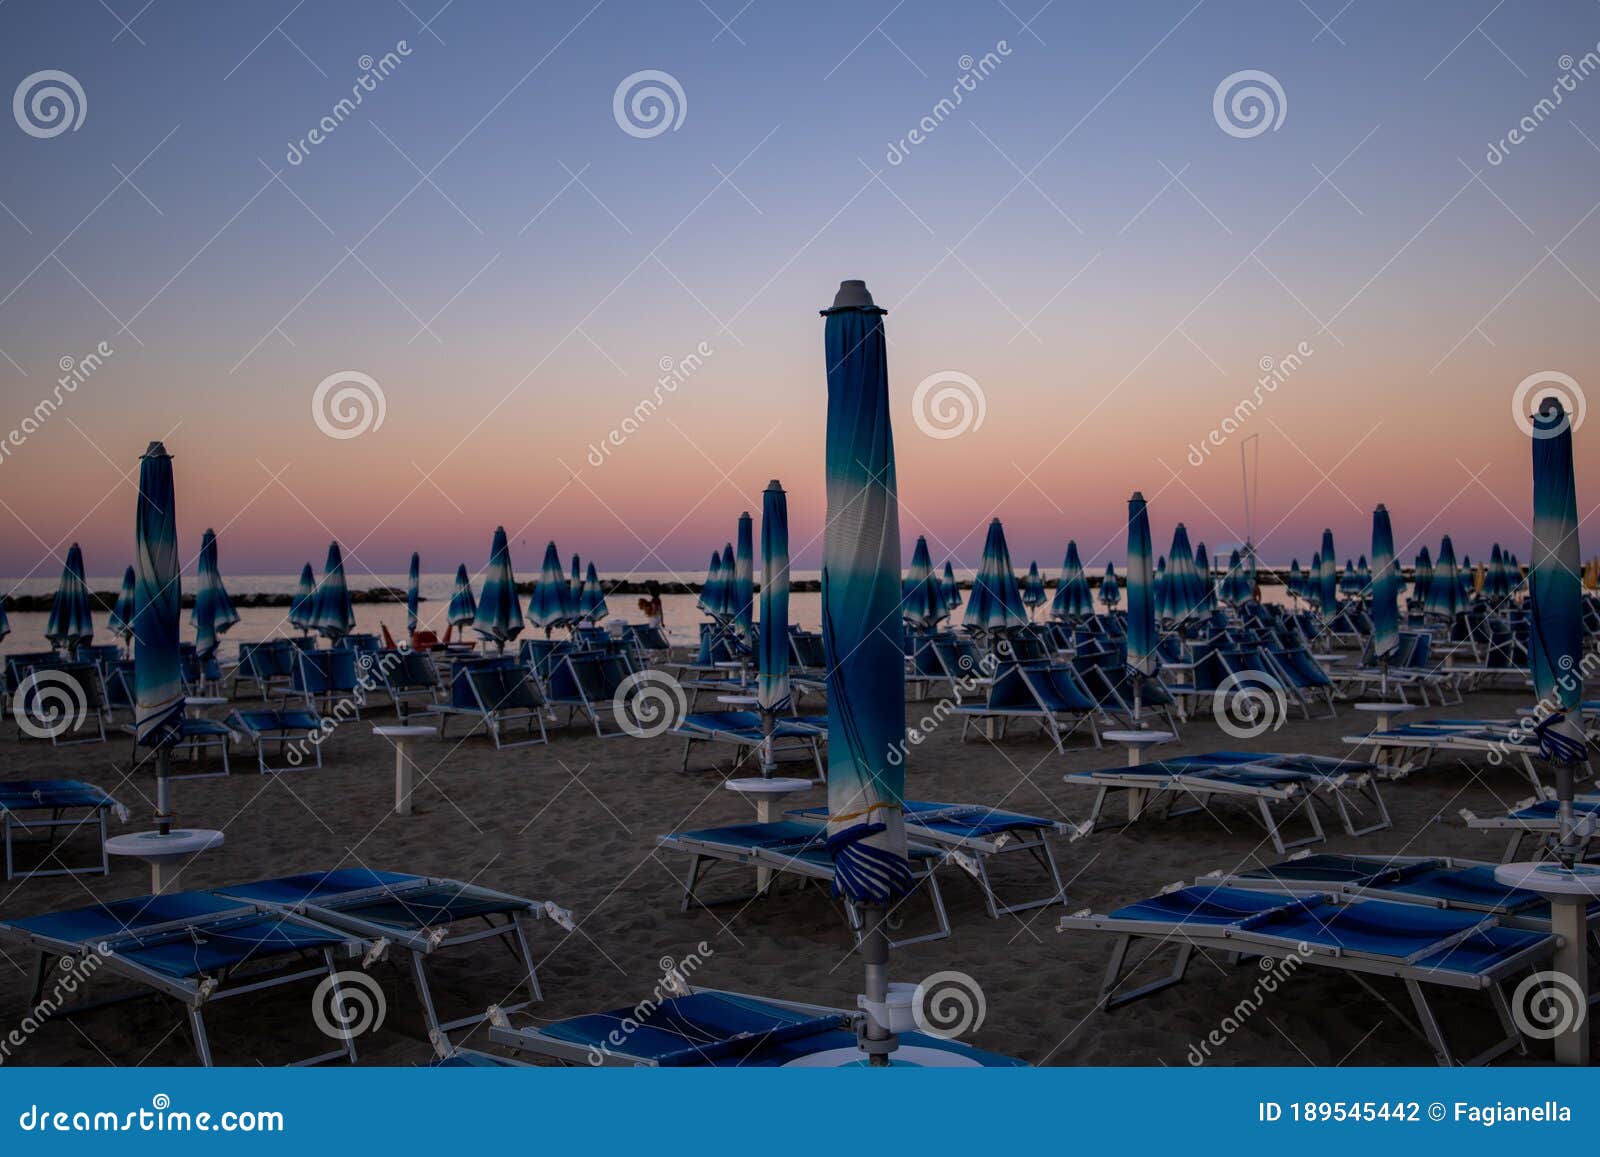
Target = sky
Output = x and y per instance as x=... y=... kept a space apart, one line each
x=500 y=251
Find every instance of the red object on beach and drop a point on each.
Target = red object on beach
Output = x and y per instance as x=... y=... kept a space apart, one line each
x=388 y=639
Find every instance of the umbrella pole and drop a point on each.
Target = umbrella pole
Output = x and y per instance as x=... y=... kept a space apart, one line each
x=876 y=1039
x=1138 y=688
x=163 y=810
x=768 y=725
x=1566 y=850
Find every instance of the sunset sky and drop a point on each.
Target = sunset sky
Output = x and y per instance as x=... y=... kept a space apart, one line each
x=1080 y=237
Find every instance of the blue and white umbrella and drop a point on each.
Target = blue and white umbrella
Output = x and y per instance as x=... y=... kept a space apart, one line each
x=1444 y=584
x=949 y=587
x=1073 y=598
x=862 y=632
x=413 y=591
x=551 y=604
x=1327 y=575
x=1314 y=580
x=1184 y=595
x=728 y=588
x=203 y=613
x=1464 y=577
x=1208 y=586
x=922 y=601
x=303 y=607
x=1385 y=588
x=1350 y=581
x=1033 y=595
x=1142 y=642
x=995 y=603
x=120 y=621
x=1110 y=592
x=710 y=600
x=744 y=578
x=1236 y=587
x=1363 y=576
x=1163 y=594
x=499 y=614
x=772 y=638
x=463 y=606
x=1422 y=577
x=333 y=617
x=1295 y=583
x=575 y=586
x=592 y=602
x=1495 y=586
x=1555 y=597
x=157 y=674
x=70 y=624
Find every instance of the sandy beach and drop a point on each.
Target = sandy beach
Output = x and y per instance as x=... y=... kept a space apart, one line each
x=576 y=821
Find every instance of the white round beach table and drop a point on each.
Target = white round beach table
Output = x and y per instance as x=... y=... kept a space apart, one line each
x=1570 y=891
x=1384 y=711
x=1137 y=741
x=163 y=852
x=404 y=737
x=768 y=795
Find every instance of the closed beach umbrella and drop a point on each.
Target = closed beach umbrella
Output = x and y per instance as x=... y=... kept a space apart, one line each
x=1296 y=582
x=333 y=616
x=744 y=578
x=922 y=602
x=120 y=621
x=157 y=675
x=203 y=613
x=70 y=624
x=995 y=603
x=463 y=607
x=1363 y=577
x=1466 y=578
x=727 y=588
x=1110 y=592
x=1183 y=582
x=303 y=607
x=1555 y=597
x=1073 y=598
x=1327 y=575
x=1445 y=596
x=1142 y=656
x=772 y=639
x=1236 y=583
x=1494 y=579
x=592 y=604
x=413 y=591
x=575 y=586
x=709 y=591
x=550 y=605
x=1163 y=594
x=1202 y=570
x=1314 y=580
x=499 y=615
x=949 y=587
x=862 y=634
x=1385 y=588
x=1422 y=577
x=1033 y=589
x=1349 y=581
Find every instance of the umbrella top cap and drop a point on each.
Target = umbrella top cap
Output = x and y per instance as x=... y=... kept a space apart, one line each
x=853 y=295
x=775 y=485
x=156 y=449
x=1551 y=415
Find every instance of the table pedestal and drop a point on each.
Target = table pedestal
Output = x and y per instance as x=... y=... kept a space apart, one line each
x=404 y=739
x=768 y=795
x=1569 y=893
x=164 y=853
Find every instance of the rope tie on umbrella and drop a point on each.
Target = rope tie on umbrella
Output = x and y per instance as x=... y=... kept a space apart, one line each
x=1561 y=740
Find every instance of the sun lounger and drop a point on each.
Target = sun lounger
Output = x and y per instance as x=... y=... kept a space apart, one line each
x=1347 y=783
x=265 y=725
x=1538 y=818
x=710 y=1028
x=62 y=701
x=745 y=731
x=419 y=914
x=790 y=848
x=494 y=695
x=324 y=679
x=65 y=804
x=1408 y=747
x=1052 y=696
x=269 y=666
x=589 y=682
x=408 y=677
x=193 y=947
x=1425 y=948
x=972 y=835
